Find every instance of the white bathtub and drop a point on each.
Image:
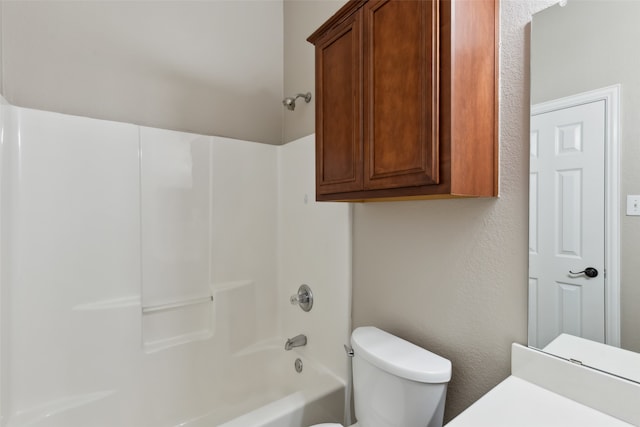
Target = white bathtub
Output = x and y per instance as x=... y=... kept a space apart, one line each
x=273 y=394
x=258 y=388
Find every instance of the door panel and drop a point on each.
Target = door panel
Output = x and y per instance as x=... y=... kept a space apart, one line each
x=567 y=231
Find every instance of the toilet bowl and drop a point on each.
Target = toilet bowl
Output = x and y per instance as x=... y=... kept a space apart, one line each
x=395 y=382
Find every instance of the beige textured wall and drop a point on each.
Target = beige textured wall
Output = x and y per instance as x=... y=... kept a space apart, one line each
x=585 y=46
x=209 y=67
x=451 y=275
x=301 y=18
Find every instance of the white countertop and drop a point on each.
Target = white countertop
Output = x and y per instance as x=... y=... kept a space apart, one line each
x=606 y=358
x=519 y=403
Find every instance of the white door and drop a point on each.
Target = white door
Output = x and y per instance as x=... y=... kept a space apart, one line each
x=567 y=224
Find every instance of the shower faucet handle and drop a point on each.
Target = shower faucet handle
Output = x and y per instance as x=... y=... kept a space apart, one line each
x=304 y=298
x=296 y=299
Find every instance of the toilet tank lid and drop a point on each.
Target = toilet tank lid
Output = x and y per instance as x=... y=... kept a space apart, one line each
x=399 y=357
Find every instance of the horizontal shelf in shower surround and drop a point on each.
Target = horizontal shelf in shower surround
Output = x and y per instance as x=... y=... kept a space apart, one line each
x=178 y=322
x=174 y=305
x=229 y=314
x=110 y=304
x=225 y=286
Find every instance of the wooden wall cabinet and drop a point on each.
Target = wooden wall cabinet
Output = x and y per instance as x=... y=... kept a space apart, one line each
x=406 y=100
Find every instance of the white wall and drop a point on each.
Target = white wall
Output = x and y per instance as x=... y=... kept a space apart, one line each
x=209 y=67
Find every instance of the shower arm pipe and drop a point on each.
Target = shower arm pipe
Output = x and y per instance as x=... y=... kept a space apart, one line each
x=306 y=96
x=176 y=304
x=290 y=102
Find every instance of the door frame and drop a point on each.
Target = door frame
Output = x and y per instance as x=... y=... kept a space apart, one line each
x=611 y=97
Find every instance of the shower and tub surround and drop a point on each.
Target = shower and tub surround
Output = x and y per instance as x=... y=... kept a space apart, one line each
x=140 y=278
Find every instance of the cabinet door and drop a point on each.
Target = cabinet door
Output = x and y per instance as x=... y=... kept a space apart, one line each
x=400 y=93
x=339 y=108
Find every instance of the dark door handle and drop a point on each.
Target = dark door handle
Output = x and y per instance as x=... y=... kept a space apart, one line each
x=589 y=272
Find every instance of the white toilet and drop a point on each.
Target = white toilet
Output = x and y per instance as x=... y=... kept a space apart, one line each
x=396 y=383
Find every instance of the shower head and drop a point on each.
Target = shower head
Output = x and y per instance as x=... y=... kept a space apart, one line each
x=290 y=102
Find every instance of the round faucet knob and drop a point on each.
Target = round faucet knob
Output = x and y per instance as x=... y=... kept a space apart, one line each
x=304 y=298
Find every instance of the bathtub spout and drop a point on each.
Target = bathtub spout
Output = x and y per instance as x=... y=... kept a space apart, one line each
x=297 y=341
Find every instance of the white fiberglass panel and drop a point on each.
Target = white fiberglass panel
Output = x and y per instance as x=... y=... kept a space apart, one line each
x=175 y=189
x=6 y=135
x=74 y=224
x=245 y=233
x=175 y=179
x=315 y=249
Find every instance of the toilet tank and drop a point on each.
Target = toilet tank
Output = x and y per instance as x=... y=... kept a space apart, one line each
x=397 y=383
